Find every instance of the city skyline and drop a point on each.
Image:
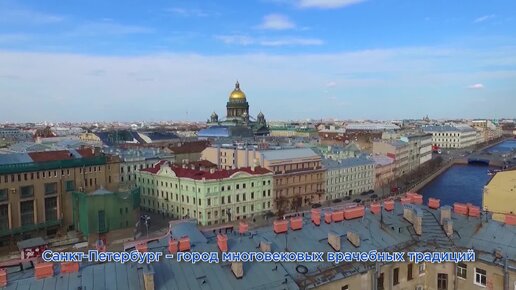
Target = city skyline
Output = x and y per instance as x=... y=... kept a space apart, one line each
x=345 y=59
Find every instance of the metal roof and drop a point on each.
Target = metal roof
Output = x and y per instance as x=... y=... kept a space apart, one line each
x=15 y=158
x=391 y=232
x=282 y=154
x=346 y=162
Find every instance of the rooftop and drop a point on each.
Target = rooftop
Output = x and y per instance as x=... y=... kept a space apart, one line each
x=197 y=174
x=448 y=128
x=347 y=162
x=283 y=154
x=389 y=233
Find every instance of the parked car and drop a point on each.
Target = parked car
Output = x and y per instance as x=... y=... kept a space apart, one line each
x=357 y=200
x=337 y=200
x=347 y=197
x=316 y=205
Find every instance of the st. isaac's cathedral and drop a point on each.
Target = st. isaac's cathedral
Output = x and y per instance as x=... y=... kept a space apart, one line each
x=238 y=122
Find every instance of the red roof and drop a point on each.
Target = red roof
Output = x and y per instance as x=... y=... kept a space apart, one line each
x=205 y=174
x=86 y=152
x=50 y=155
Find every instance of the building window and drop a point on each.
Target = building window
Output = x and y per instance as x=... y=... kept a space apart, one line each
x=27 y=191
x=422 y=269
x=4 y=194
x=27 y=212
x=442 y=281
x=70 y=185
x=380 y=282
x=409 y=271
x=4 y=217
x=51 y=209
x=462 y=270
x=209 y=201
x=480 y=277
x=396 y=276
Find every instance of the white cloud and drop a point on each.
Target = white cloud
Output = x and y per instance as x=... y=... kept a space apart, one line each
x=327 y=4
x=331 y=84
x=276 y=22
x=484 y=18
x=236 y=39
x=188 y=12
x=88 y=87
x=108 y=27
x=285 y=41
x=27 y=16
x=476 y=86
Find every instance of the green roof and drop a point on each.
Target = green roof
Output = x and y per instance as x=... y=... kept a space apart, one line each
x=50 y=165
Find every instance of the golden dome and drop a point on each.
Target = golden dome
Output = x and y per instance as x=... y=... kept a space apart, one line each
x=237 y=94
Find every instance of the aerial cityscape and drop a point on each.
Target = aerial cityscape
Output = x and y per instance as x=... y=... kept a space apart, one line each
x=270 y=144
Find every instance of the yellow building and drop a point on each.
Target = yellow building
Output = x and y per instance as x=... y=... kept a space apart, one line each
x=500 y=194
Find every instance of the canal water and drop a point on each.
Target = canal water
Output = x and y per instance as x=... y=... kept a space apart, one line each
x=504 y=147
x=464 y=183
x=460 y=183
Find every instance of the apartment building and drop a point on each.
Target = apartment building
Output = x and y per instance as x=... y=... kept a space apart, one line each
x=453 y=137
x=398 y=150
x=384 y=170
x=35 y=188
x=345 y=177
x=420 y=149
x=298 y=174
x=134 y=159
x=210 y=195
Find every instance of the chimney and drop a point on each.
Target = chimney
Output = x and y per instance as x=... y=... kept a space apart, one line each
x=235 y=159
x=353 y=238
x=448 y=226
x=44 y=270
x=296 y=223
x=148 y=278
x=316 y=216
x=243 y=228
x=445 y=214
x=408 y=213
x=473 y=211
x=246 y=156
x=238 y=269
x=222 y=242
x=265 y=246
x=418 y=221
x=69 y=267
x=3 y=277
x=184 y=244
x=218 y=156
x=172 y=246
x=334 y=240
x=434 y=203
x=388 y=205
x=327 y=217
x=280 y=226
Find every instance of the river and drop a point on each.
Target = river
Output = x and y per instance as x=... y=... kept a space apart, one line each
x=463 y=183
x=504 y=147
x=460 y=183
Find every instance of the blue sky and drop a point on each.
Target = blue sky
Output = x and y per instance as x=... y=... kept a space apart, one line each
x=295 y=59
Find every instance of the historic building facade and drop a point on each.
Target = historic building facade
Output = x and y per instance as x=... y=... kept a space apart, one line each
x=35 y=188
x=212 y=196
